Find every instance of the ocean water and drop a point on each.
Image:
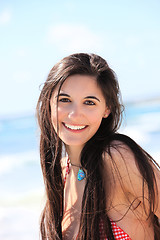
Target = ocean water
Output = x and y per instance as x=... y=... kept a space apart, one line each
x=142 y=123
x=21 y=184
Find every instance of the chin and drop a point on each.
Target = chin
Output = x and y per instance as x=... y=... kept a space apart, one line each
x=74 y=143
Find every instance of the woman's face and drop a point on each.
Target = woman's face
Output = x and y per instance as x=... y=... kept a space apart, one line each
x=81 y=107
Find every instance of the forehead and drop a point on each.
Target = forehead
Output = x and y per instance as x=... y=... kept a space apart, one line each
x=81 y=84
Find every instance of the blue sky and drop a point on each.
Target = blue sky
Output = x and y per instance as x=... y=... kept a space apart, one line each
x=35 y=34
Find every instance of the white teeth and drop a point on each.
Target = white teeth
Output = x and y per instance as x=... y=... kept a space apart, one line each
x=74 y=127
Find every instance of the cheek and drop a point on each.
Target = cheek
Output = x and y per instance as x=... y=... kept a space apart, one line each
x=95 y=118
x=57 y=118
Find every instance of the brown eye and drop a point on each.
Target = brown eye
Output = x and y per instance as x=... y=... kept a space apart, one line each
x=64 y=100
x=89 y=102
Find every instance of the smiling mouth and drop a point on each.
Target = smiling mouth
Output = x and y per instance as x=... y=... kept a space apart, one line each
x=74 y=127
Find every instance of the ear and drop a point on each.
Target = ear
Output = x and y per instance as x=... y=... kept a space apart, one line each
x=106 y=113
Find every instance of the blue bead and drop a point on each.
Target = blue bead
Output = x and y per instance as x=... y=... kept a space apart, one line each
x=81 y=174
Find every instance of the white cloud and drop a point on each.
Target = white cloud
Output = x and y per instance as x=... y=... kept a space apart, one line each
x=22 y=52
x=133 y=41
x=74 y=38
x=21 y=77
x=5 y=17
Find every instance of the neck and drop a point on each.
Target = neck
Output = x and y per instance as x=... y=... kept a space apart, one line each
x=74 y=153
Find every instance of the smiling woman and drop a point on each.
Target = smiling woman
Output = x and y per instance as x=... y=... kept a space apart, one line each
x=104 y=182
x=79 y=109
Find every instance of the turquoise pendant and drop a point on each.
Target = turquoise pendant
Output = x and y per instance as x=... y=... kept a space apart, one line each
x=81 y=174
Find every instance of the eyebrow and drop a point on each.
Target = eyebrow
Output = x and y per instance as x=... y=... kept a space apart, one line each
x=88 y=97
x=92 y=97
x=62 y=94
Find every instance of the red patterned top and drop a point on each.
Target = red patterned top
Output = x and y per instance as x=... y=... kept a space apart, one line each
x=118 y=233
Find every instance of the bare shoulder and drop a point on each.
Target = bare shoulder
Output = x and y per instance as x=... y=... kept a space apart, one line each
x=121 y=162
x=122 y=156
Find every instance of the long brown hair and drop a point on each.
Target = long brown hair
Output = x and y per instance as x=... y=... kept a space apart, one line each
x=95 y=194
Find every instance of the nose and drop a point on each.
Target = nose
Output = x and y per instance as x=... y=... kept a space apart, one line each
x=75 y=112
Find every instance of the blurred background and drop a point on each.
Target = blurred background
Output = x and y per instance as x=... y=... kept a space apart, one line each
x=34 y=35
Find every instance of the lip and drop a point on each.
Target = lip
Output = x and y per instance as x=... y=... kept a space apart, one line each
x=75 y=130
